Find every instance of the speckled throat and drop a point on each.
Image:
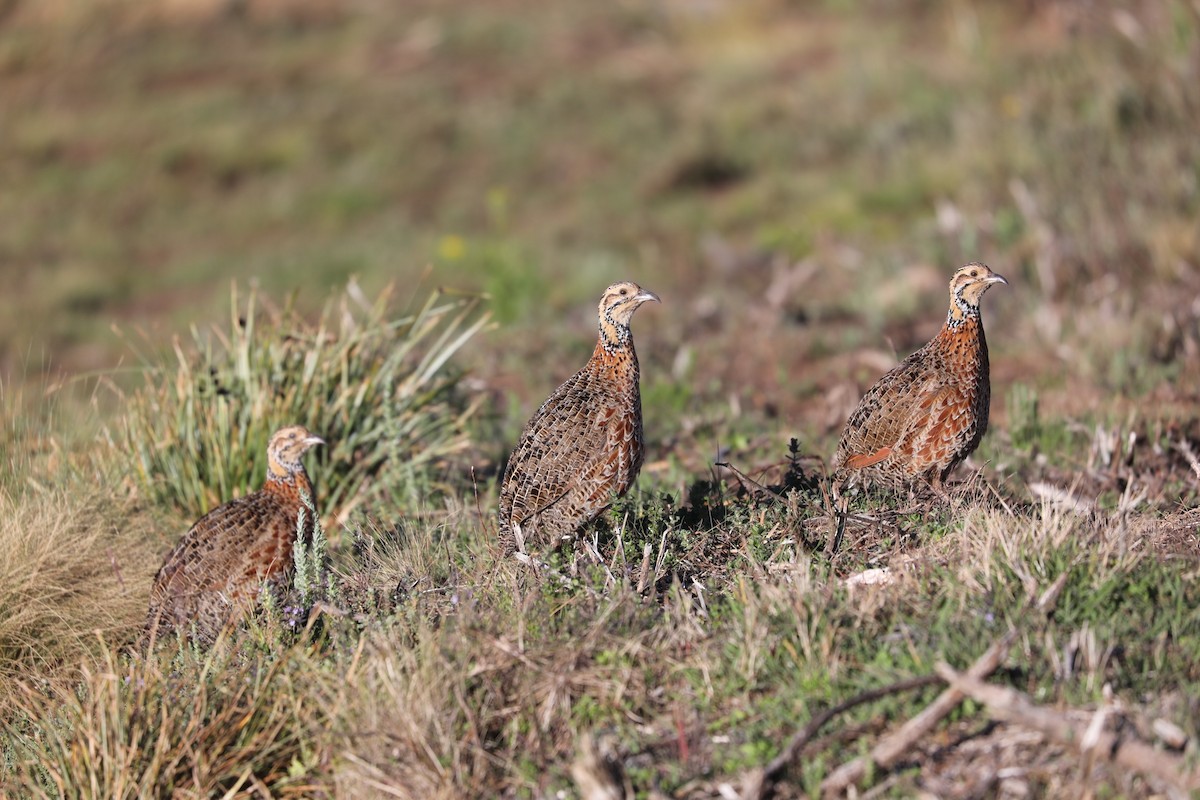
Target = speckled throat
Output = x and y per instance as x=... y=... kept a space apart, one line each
x=613 y=335
x=961 y=310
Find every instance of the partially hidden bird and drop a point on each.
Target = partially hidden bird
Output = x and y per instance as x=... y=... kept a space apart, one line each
x=928 y=413
x=215 y=573
x=584 y=445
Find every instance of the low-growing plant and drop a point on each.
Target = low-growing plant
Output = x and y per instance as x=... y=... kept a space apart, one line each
x=380 y=390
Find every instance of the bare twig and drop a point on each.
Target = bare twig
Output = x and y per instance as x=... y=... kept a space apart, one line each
x=890 y=748
x=760 y=782
x=755 y=488
x=1013 y=706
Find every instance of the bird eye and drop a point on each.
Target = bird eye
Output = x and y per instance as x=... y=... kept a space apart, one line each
x=624 y=292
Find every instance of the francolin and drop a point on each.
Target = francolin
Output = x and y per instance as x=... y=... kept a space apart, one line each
x=584 y=445
x=215 y=573
x=927 y=414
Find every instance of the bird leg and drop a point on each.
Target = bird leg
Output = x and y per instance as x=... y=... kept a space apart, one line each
x=519 y=536
x=938 y=485
x=841 y=509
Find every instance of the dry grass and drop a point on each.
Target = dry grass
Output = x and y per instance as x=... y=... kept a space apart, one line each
x=75 y=570
x=435 y=671
x=232 y=723
x=373 y=382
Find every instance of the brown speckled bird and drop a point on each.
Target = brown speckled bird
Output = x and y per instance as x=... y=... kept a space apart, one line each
x=926 y=415
x=216 y=571
x=584 y=444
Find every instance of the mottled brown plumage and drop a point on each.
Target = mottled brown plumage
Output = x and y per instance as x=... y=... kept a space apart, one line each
x=217 y=570
x=584 y=445
x=927 y=414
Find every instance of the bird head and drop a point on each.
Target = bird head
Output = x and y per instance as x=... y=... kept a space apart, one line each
x=967 y=286
x=286 y=448
x=616 y=309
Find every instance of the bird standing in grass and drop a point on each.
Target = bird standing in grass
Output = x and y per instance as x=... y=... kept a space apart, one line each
x=926 y=415
x=217 y=570
x=584 y=445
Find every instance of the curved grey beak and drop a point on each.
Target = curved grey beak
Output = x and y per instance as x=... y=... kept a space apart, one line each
x=311 y=440
x=644 y=295
x=995 y=278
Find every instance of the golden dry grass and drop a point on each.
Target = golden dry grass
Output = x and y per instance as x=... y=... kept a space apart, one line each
x=75 y=571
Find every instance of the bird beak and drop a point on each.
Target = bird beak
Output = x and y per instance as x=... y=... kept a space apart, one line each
x=994 y=278
x=644 y=295
x=311 y=440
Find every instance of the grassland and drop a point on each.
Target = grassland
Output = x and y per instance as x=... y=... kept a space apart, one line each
x=797 y=181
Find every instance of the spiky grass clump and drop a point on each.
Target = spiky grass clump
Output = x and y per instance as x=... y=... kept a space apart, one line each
x=73 y=565
x=378 y=389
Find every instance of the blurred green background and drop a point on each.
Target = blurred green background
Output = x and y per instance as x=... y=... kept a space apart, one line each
x=797 y=180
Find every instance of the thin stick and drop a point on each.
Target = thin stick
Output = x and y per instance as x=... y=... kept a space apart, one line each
x=756 y=488
x=760 y=782
x=890 y=748
x=1013 y=706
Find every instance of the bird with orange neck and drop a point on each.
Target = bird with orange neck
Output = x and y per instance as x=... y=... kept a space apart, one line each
x=927 y=414
x=216 y=572
x=584 y=445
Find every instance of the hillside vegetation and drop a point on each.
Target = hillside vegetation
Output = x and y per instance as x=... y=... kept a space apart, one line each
x=391 y=223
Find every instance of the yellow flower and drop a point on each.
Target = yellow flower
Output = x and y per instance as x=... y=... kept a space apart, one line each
x=452 y=248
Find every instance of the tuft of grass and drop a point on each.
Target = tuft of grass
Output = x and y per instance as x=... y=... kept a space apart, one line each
x=73 y=566
x=379 y=390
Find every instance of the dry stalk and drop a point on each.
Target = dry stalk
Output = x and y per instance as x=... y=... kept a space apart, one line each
x=759 y=783
x=1013 y=706
x=891 y=748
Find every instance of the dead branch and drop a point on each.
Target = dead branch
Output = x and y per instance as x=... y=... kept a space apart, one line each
x=760 y=782
x=890 y=748
x=1012 y=706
